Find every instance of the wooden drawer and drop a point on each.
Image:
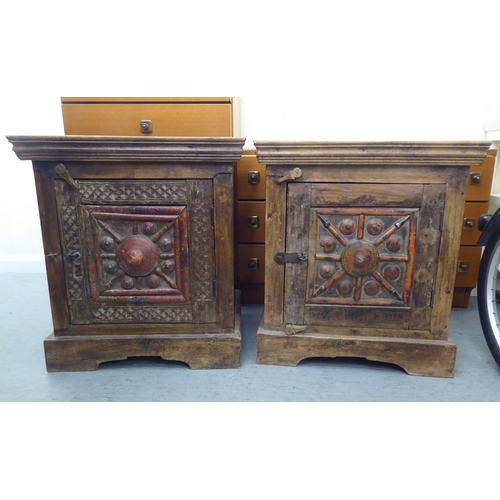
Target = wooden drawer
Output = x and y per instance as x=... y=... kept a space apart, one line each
x=470 y=231
x=181 y=117
x=251 y=222
x=480 y=179
x=470 y=257
x=250 y=178
x=248 y=253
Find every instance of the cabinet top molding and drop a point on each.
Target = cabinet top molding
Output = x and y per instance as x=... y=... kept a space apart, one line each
x=150 y=149
x=465 y=153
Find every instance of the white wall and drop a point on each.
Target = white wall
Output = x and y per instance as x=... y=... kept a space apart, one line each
x=361 y=71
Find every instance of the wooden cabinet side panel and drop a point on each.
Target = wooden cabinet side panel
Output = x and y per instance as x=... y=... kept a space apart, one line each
x=427 y=255
x=201 y=244
x=52 y=247
x=224 y=248
x=450 y=244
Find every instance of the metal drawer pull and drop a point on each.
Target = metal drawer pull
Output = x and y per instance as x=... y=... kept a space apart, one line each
x=463 y=266
x=476 y=178
x=254 y=177
x=296 y=173
x=253 y=222
x=146 y=126
x=253 y=264
x=469 y=224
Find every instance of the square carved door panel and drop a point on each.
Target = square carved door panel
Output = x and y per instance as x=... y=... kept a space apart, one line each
x=132 y=263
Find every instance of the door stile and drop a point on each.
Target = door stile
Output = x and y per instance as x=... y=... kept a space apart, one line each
x=297 y=241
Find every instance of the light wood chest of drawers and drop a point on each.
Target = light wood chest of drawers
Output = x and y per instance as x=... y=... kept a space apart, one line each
x=149 y=116
x=477 y=203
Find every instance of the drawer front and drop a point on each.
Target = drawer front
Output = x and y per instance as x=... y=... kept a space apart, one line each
x=251 y=263
x=251 y=222
x=469 y=259
x=480 y=179
x=177 y=120
x=470 y=231
x=250 y=178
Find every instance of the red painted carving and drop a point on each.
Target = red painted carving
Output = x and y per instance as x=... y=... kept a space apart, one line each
x=370 y=256
x=139 y=254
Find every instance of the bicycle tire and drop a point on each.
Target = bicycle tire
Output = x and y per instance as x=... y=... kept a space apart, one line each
x=488 y=289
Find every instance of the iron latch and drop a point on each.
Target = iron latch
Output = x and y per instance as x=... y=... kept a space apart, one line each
x=289 y=258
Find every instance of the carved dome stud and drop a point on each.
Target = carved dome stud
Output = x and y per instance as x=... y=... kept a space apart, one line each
x=375 y=227
x=392 y=272
x=329 y=245
x=360 y=258
x=107 y=243
x=127 y=282
x=168 y=267
x=372 y=288
x=326 y=271
x=149 y=228
x=137 y=256
x=110 y=267
x=153 y=281
x=348 y=226
x=394 y=244
x=345 y=288
x=166 y=244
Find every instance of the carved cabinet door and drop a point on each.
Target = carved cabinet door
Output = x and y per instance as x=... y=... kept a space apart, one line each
x=138 y=251
x=366 y=254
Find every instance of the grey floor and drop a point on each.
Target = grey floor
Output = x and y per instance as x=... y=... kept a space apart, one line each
x=24 y=309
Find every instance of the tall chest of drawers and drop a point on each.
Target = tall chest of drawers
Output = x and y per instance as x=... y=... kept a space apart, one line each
x=361 y=251
x=137 y=236
x=476 y=204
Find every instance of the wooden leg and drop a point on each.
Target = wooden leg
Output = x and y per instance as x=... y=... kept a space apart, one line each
x=199 y=351
x=430 y=358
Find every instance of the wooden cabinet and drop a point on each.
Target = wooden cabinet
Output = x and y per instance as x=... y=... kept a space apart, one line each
x=362 y=250
x=138 y=234
x=149 y=116
x=477 y=203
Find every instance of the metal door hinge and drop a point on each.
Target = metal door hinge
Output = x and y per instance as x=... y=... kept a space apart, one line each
x=289 y=258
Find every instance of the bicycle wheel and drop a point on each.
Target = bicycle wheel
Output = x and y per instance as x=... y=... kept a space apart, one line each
x=488 y=295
